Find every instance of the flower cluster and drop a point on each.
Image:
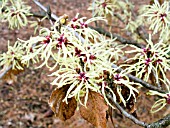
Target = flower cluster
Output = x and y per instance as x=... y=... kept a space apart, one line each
x=15 y=12
x=82 y=56
x=85 y=63
x=157 y=16
x=120 y=87
x=110 y=8
x=13 y=56
x=102 y=8
x=153 y=59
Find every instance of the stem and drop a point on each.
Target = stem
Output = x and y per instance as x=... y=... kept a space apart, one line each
x=126 y=114
x=142 y=33
x=164 y=122
x=12 y=2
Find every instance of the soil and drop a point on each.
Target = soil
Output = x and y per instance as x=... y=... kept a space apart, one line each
x=24 y=100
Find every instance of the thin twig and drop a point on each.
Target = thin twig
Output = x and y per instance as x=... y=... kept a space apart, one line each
x=39 y=14
x=45 y=9
x=142 y=33
x=118 y=37
x=164 y=122
x=140 y=30
x=126 y=114
x=5 y=71
x=49 y=15
x=145 y=84
x=119 y=17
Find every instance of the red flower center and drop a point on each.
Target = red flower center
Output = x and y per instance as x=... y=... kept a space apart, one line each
x=168 y=99
x=117 y=77
x=82 y=76
x=61 y=40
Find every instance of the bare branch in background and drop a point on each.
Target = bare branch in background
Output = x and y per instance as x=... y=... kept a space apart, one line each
x=140 y=30
x=142 y=33
x=119 y=38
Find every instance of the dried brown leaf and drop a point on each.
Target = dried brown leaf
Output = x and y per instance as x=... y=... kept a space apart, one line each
x=66 y=111
x=95 y=110
x=10 y=76
x=61 y=109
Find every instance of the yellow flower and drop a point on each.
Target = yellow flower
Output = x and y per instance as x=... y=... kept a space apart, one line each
x=158 y=16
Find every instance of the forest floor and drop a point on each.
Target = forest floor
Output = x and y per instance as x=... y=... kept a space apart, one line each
x=24 y=100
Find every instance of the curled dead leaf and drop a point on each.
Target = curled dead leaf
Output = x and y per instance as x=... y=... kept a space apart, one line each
x=61 y=109
x=9 y=75
x=95 y=110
